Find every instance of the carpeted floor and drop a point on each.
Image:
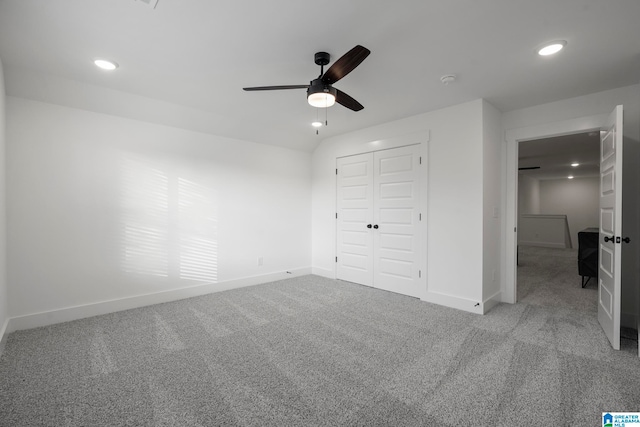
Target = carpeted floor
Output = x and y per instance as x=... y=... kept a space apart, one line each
x=549 y=277
x=311 y=351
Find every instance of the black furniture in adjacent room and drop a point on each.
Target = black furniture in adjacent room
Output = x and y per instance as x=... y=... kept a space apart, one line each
x=588 y=254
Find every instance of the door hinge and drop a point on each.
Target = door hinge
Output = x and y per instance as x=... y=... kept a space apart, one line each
x=336 y=215
x=514 y=229
x=419 y=217
x=419 y=273
x=336 y=171
x=336 y=259
x=420 y=159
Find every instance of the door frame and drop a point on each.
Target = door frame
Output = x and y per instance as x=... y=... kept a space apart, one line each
x=510 y=186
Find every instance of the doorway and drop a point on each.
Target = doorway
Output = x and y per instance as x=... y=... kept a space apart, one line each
x=558 y=214
x=513 y=138
x=631 y=207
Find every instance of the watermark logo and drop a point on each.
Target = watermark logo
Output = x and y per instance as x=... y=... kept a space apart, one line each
x=620 y=419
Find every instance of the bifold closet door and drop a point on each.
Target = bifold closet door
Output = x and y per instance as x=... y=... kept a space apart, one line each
x=377 y=219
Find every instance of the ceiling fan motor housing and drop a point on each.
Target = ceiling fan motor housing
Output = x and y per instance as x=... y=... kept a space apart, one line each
x=317 y=86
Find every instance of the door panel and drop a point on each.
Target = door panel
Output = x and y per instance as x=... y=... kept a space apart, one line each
x=609 y=283
x=396 y=268
x=396 y=212
x=355 y=212
x=606 y=221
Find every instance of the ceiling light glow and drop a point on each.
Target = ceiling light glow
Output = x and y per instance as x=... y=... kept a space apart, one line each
x=575 y=165
x=321 y=99
x=551 y=48
x=570 y=177
x=105 y=64
x=316 y=124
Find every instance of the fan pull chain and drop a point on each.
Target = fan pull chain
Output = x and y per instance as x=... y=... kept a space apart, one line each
x=326 y=115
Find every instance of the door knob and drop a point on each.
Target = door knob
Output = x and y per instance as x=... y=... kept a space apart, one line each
x=626 y=240
x=368 y=225
x=608 y=239
x=375 y=226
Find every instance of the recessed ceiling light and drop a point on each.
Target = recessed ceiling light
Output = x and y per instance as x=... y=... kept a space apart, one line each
x=316 y=124
x=575 y=165
x=105 y=64
x=551 y=48
x=570 y=177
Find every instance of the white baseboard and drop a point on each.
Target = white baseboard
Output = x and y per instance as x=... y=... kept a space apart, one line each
x=104 y=307
x=3 y=335
x=544 y=244
x=491 y=302
x=454 y=302
x=329 y=274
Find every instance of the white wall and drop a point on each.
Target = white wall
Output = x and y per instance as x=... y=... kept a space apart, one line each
x=547 y=231
x=528 y=195
x=577 y=198
x=454 y=193
x=4 y=305
x=46 y=87
x=492 y=200
x=103 y=208
x=581 y=106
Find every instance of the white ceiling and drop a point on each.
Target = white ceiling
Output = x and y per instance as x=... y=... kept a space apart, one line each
x=555 y=155
x=199 y=54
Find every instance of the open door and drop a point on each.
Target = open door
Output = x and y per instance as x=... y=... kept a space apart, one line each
x=610 y=244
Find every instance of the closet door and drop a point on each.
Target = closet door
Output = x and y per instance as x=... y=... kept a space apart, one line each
x=397 y=216
x=378 y=219
x=355 y=219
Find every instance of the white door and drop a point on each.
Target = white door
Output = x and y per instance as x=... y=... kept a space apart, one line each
x=377 y=219
x=355 y=219
x=396 y=216
x=610 y=247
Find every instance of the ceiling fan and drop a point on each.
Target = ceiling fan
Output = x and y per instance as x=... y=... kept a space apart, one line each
x=320 y=91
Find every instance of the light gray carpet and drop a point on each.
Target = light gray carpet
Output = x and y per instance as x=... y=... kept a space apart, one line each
x=549 y=276
x=316 y=352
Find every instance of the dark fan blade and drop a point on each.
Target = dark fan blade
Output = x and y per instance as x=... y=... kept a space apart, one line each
x=276 y=87
x=345 y=64
x=529 y=168
x=347 y=101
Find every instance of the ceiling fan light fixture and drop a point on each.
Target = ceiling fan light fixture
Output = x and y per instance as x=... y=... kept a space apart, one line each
x=321 y=100
x=321 y=95
x=316 y=124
